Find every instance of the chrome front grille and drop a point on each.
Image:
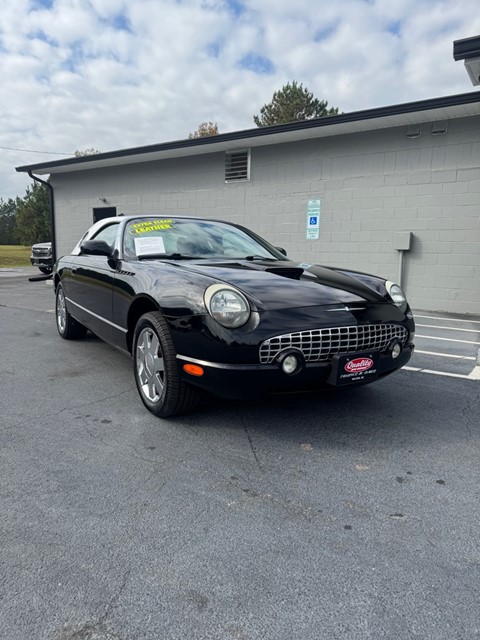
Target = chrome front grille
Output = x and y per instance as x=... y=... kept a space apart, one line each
x=41 y=252
x=320 y=345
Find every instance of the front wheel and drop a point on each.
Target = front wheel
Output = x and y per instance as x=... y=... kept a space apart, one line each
x=159 y=383
x=67 y=326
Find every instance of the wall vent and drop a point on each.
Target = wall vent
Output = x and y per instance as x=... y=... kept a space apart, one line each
x=414 y=131
x=439 y=128
x=237 y=165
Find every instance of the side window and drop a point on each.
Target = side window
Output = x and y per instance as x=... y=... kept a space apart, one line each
x=107 y=234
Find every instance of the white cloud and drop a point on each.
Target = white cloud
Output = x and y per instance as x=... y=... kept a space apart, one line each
x=111 y=74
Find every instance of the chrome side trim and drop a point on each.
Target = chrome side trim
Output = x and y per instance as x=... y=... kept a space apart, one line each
x=112 y=324
x=220 y=365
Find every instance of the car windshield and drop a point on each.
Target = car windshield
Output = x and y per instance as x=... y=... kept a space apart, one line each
x=178 y=238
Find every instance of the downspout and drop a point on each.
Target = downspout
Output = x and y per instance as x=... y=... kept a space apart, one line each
x=52 y=212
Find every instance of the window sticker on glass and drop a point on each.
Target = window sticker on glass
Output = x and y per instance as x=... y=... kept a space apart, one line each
x=150 y=225
x=146 y=246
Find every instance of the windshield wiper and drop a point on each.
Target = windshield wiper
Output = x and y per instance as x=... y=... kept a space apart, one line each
x=169 y=256
x=260 y=258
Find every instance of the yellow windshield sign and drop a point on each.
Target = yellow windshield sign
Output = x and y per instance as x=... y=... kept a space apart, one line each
x=151 y=225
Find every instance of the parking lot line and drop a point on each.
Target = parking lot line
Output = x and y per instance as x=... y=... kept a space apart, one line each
x=449 y=319
x=435 y=326
x=473 y=375
x=448 y=339
x=445 y=355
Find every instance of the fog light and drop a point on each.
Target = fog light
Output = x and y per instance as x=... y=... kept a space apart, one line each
x=290 y=364
x=396 y=350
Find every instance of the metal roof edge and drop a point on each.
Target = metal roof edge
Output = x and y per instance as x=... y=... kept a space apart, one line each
x=245 y=134
x=466 y=48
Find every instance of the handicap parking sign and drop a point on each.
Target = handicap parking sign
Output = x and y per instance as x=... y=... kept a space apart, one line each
x=313 y=220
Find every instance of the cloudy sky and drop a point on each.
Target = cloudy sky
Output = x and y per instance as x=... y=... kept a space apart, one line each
x=112 y=74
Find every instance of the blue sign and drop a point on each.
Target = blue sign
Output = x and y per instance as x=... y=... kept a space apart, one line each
x=313 y=220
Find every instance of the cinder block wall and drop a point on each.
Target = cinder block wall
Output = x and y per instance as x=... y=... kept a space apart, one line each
x=371 y=186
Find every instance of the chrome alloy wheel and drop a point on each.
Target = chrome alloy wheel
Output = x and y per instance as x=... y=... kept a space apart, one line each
x=61 y=311
x=157 y=373
x=150 y=365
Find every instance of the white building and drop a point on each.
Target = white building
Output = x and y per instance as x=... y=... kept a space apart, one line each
x=378 y=175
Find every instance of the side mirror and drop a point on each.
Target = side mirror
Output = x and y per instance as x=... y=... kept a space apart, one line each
x=282 y=250
x=96 y=248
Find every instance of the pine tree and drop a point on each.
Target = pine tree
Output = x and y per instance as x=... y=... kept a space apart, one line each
x=292 y=103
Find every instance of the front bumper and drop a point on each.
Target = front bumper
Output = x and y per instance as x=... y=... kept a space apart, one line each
x=38 y=261
x=247 y=380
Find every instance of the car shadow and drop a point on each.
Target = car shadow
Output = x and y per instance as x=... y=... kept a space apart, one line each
x=402 y=409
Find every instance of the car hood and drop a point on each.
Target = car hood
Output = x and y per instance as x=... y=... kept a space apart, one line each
x=285 y=284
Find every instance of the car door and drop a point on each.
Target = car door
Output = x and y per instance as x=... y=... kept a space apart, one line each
x=91 y=286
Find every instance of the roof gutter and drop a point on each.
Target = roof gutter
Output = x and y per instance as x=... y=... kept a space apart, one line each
x=468 y=50
x=51 y=201
x=244 y=136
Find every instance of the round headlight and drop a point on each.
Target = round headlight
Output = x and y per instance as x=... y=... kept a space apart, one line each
x=397 y=295
x=227 y=306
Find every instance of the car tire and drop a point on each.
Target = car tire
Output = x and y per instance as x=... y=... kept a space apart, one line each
x=67 y=326
x=46 y=270
x=158 y=379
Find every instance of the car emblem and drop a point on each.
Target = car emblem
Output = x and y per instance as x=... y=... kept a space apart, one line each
x=347 y=308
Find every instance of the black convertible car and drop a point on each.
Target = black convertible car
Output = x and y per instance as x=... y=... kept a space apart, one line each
x=204 y=305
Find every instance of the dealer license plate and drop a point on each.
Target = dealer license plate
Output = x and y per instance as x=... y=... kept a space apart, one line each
x=354 y=368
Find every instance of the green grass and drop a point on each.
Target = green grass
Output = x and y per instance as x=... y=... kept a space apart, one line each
x=14 y=256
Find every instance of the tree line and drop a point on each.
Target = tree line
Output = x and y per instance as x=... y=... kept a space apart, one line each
x=27 y=220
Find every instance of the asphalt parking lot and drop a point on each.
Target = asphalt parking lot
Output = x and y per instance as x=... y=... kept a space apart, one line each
x=349 y=515
x=447 y=345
